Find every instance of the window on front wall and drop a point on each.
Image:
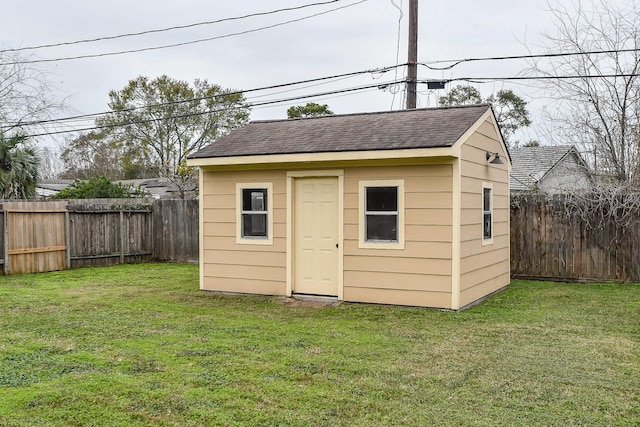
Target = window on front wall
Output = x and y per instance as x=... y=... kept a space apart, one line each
x=254 y=220
x=381 y=214
x=254 y=212
x=487 y=213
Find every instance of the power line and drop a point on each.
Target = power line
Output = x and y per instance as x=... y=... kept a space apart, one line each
x=146 y=49
x=239 y=92
x=271 y=102
x=500 y=58
x=339 y=91
x=549 y=77
x=161 y=30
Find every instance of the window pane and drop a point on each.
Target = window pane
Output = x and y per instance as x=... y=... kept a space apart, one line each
x=254 y=225
x=254 y=199
x=486 y=233
x=382 y=227
x=486 y=199
x=382 y=199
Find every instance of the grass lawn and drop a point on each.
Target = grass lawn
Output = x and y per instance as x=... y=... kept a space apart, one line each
x=141 y=345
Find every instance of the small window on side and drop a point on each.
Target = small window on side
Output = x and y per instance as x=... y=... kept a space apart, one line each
x=487 y=214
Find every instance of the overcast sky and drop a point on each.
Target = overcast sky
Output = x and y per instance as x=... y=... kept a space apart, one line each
x=365 y=35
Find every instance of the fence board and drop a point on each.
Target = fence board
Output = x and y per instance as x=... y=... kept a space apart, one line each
x=45 y=236
x=36 y=237
x=175 y=230
x=548 y=242
x=109 y=233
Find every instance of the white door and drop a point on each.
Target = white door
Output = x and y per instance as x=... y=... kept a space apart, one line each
x=315 y=232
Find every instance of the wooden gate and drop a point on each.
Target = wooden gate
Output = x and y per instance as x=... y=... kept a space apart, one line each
x=37 y=242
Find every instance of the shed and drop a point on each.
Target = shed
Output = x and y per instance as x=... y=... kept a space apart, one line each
x=406 y=207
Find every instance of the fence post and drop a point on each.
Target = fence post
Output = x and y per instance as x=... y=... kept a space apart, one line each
x=5 y=216
x=121 y=236
x=67 y=238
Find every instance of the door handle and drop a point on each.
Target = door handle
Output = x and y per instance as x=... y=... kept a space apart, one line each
x=336 y=245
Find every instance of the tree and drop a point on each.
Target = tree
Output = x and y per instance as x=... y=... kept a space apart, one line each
x=510 y=109
x=598 y=108
x=461 y=95
x=310 y=110
x=160 y=122
x=18 y=169
x=96 y=153
x=26 y=93
x=98 y=187
x=511 y=112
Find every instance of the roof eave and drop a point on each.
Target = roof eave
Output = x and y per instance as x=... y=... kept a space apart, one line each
x=272 y=159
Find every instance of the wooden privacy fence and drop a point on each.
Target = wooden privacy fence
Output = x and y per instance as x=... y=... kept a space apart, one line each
x=48 y=236
x=34 y=237
x=105 y=234
x=549 y=240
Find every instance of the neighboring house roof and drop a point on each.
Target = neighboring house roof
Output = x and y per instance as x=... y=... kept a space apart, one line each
x=407 y=129
x=50 y=187
x=158 y=188
x=162 y=188
x=533 y=166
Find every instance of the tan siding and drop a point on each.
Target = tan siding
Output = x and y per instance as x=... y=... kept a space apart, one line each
x=438 y=184
x=473 y=215
x=418 y=250
x=485 y=274
x=427 y=235
x=484 y=288
x=480 y=260
x=229 y=243
x=487 y=130
x=424 y=200
x=216 y=201
x=219 y=229
x=398 y=264
x=484 y=268
x=232 y=267
x=392 y=296
x=474 y=246
x=428 y=216
x=247 y=256
x=423 y=267
x=226 y=215
x=252 y=272
x=391 y=172
x=246 y=286
x=397 y=281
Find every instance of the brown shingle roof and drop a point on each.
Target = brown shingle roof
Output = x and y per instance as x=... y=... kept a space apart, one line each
x=422 y=128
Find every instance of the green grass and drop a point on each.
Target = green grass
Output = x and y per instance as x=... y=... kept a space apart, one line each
x=140 y=345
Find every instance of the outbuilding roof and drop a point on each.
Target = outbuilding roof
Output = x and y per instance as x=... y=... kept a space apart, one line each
x=396 y=130
x=531 y=164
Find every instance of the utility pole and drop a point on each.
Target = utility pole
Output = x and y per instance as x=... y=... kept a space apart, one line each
x=412 y=72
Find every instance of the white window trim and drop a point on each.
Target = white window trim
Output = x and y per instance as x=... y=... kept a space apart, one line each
x=362 y=243
x=254 y=240
x=485 y=241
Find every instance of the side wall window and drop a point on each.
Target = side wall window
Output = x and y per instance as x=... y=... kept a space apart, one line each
x=254 y=213
x=381 y=214
x=487 y=214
